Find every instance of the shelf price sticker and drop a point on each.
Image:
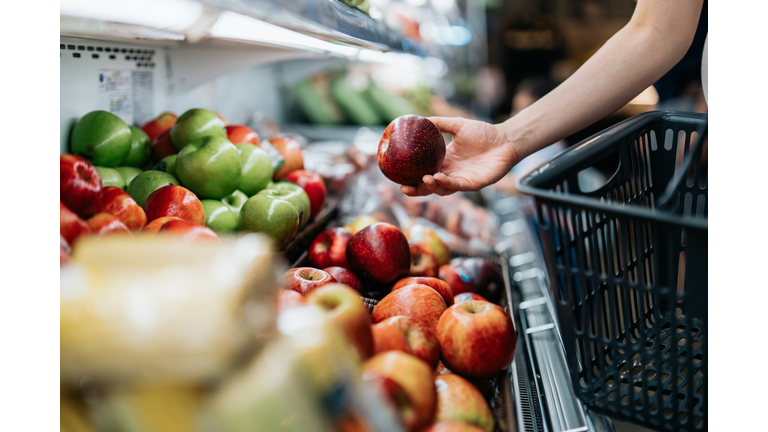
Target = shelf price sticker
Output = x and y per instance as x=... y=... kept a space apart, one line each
x=126 y=94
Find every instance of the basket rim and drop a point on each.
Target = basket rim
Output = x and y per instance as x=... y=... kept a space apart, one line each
x=584 y=151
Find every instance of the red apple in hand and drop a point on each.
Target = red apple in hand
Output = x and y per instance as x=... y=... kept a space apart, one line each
x=379 y=253
x=468 y=296
x=344 y=308
x=119 y=204
x=440 y=286
x=345 y=277
x=414 y=376
x=305 y=279
x=238 y=134
x=189 y=230
x=411 y=148
x=419 y=302
x=291 y=152
x=154 y=226
x=313 y=185
x=172 y=200
x=80 y=185
x=459 y=400
x=158 y=125
x=388 y=338
x=458 y=278
x=162 y=145
x=329 y=248
x=452 y=426
x=287 y=299
x=423 y=261
x=477 y=339
x=71 y=226
x=104 y=223
x=421 y=341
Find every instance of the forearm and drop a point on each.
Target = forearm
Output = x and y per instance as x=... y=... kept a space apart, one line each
x=633 y=59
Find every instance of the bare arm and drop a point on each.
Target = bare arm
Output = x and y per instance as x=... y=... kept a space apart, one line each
x=655 y=39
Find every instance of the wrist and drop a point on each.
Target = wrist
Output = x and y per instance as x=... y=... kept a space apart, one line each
x=514 y=136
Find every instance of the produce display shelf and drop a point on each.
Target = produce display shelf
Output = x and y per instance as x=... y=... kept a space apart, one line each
x=297 y=248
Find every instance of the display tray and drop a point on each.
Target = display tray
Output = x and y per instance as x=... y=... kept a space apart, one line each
x=298 y=246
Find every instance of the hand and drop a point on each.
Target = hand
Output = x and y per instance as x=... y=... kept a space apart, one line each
x=478 y=156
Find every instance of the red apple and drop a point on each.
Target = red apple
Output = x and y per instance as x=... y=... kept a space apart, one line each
x=428 y=237
x=104 y=223
x=80 y=185
x=172 y=200
x=423 y=261
x=287 y=299
x=158 y=125
x=238 y=134
x=477 y=339
x=411 y=148
x=388 y=338
x=119 y=204
x=419 y=302
x=459 y=400
x=379 y=253
x=305 y=279
x=329 y=248
x=468 y=296
x=440 y=286
x=452 y=426
x=487 y=276
x=441 y=369
x=154 y=226
x=344 y=308
x=421 y=341
x=189 y=230
x=414 y=376
x=360 y=222
x=458 y=278
x=345 y=277
x=71 y=226
x=313 y=185
x=291 y=152
x=393 y=392
x=162 y=145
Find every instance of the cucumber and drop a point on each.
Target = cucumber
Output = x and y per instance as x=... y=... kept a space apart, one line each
x=320 y=109
x=356 y=106
x=389 y=106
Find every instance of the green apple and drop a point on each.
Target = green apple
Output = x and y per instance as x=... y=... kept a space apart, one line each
x=140 y=151
x=147 y=182
x=256 y=168
x=110 y=177
x=209 y=167
x=128 y=173
x=273 y=216
x=235 y=202
x=101 y=137
x=219 y=217
x=195 y=124
x=168 y=164
x=301 y=197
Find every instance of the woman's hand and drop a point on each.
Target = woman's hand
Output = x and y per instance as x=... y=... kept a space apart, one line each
x=479 y=155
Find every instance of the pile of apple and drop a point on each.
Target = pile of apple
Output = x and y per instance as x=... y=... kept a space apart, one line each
x=211 y=178
x=427 y=338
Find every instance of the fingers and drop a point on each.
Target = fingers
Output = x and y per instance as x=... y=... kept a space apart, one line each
x=412 y=191
x=435 y=187
x=453 y=183
x=449 y=125
x=439 y=184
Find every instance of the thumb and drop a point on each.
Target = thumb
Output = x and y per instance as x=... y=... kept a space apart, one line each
x=449 y=125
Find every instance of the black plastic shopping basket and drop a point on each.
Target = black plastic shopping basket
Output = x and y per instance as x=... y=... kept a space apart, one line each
x=628 y=268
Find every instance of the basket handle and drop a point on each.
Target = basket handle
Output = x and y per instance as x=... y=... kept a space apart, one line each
x=670 y=192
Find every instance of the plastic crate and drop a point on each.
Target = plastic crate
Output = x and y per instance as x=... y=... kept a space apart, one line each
x=628 y=269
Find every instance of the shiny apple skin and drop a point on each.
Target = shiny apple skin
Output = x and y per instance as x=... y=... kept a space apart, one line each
x=388 y=338
x=438 y=285
x=379 y=253
x=163 y=122
x=154 y=226
x=410 y=148
x=305 y=279
x=422 y=341
x=418 y=302
x=71 y=226
x=172 y=200
x=287 y=299
x=237 y=134
x=487 y=276
x=343 y=307
x=189 y=230
x=119 y=204
x=477 y=339
x=459 y=400
x=414 y=376
x=329 y=248
x=162 y=145
x=345 y=277
x=458 y=278
x=423 y=261
x=290 y=149
x=468 y=296
x=313 y=185
x=79 y=185
x=452 y=426
x=104 y=223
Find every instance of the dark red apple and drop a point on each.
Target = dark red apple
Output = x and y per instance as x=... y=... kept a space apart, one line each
x=154 y=226
x=346 y=277
x=119 y=204
x=477 y=339
x=329 y=248
x=411 y=148
x=421 y=341
x=305 y=279
x=238 y=134
x=71 y=226
x=158 y=125
x=419 y=302
x=189 y=230
x=313 y=185
x=468 y=296
x=343 y=307
x=291 y=152
x=487 y=276
x=80 y=185
x=162 y=145
x=438 y=285
x=172 y=200
x=379 y=253
x=458 y=278
x=423 y=261
x=104 y=223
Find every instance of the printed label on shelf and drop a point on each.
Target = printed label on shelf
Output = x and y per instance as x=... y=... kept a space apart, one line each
x=126 y=94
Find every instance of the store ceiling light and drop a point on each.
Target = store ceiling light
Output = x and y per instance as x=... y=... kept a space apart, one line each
x=235 y=26
x=174 y=15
